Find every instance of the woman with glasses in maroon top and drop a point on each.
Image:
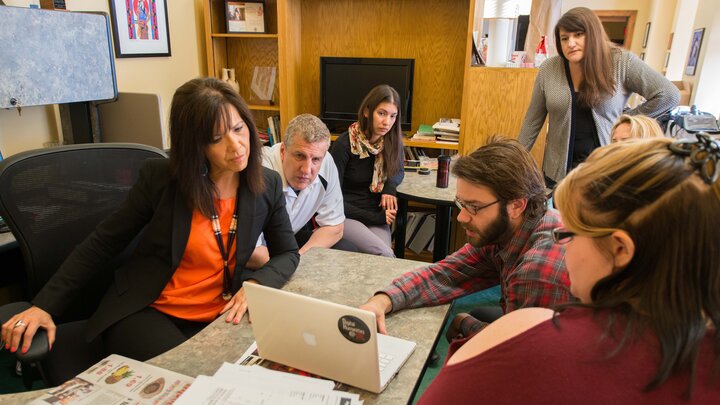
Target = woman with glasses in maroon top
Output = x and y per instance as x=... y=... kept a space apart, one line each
x=640 y=235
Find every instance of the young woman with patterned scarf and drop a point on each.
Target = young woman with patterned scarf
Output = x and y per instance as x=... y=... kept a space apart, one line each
x=369 y=159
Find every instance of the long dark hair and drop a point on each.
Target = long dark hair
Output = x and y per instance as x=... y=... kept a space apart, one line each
x=672 y=284
x=198 y=108
x=393 y=139
x=597 y=63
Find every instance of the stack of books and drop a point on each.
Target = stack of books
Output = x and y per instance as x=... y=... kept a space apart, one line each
x=447 y=130
x=424 y=133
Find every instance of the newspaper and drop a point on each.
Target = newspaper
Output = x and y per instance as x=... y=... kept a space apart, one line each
x=119 y=380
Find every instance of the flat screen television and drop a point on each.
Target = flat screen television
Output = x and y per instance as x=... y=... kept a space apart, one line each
x=344 y=83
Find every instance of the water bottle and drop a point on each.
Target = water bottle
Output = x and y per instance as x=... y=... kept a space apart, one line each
x=443 y=172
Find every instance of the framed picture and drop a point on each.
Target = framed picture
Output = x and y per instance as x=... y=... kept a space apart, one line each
x=246 y=17
x=642 y=55
x=140 y=27
x=695 y=43
x=647 y=35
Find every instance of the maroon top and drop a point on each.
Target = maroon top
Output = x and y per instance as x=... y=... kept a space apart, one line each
x=569 y=365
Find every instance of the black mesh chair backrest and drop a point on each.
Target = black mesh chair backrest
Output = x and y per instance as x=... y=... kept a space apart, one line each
x=53 y=198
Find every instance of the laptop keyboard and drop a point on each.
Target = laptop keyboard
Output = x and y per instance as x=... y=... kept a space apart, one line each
x=385 y=359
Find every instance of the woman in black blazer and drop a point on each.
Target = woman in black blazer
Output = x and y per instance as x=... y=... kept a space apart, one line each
x=183 y=273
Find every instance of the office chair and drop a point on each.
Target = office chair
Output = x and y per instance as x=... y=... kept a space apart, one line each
x=52 y=199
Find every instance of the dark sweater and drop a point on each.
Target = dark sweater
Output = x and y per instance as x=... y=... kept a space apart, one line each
x=355 y=176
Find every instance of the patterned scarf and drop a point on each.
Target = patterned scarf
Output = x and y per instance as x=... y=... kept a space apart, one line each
x=361 y=146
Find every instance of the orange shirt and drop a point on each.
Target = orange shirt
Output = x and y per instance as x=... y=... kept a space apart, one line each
x=194 y=292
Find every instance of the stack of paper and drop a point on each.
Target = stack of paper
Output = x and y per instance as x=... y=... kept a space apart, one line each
x=253 y=380
x=249 y=385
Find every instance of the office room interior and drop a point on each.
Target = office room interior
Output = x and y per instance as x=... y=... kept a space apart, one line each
x=662 y=32
x=40 y=125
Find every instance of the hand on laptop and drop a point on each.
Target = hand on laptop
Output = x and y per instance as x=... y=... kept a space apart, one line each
x=237 y=306
x=380 y=305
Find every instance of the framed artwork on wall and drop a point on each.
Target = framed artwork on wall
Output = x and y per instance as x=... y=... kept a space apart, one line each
x=642 y=55
x=245 y=17
x=695 y=43
x=140 y=28
x=647 y=35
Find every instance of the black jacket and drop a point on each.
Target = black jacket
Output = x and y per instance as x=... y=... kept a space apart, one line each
x=156 y=207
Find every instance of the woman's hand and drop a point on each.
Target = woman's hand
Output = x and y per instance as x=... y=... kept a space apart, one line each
x=24 y=325
x=236 y=307
x=388 y=202
x=390 y=216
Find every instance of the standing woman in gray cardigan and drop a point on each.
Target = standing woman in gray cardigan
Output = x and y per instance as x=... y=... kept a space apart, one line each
x=584 y=90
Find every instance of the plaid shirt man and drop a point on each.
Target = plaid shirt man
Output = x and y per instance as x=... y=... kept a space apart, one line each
x=530 y=269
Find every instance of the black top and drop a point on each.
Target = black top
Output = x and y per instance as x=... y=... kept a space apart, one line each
x=586 y=138
x=583 y=132
x=355 y=176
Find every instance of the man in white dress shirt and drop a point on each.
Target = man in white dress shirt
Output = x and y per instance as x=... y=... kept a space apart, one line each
x=311 y=185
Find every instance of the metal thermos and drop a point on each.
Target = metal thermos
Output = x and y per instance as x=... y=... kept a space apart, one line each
x=443 y=172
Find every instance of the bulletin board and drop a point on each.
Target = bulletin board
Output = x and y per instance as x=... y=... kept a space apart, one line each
x=54 y=57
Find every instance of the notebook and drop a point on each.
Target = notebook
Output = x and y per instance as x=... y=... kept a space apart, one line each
x=324 y=338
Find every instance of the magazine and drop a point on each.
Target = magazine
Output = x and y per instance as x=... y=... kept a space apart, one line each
x=119 y=380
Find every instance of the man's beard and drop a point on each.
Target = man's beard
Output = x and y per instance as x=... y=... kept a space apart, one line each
x=498 y=231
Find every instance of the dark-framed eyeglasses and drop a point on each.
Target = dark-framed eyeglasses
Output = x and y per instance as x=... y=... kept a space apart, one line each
x=562 y=236
x=472 y=209
x=704 y=153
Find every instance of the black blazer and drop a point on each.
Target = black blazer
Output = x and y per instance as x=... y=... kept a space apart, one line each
x=156 y=208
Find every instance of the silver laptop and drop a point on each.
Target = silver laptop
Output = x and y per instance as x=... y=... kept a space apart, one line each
x=331 y=340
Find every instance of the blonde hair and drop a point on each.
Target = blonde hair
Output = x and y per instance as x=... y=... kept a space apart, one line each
x=641 y=126
x=671 y=286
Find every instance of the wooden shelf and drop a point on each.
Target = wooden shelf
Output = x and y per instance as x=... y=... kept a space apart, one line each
x=258 y=107
x=430 y=144
x=265 y=36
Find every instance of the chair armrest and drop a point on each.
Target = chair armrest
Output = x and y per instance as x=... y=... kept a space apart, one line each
x=39 y=347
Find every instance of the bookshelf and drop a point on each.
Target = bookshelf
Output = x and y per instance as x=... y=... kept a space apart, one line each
x=244 y=52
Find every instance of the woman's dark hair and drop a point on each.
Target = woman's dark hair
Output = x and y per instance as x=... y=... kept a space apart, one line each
x=597 y=63
x=507 y=168
x=393 y=139
x=672 y=284
x=199 y=110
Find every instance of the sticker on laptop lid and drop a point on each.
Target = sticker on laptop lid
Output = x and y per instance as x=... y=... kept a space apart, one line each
x=354 y=329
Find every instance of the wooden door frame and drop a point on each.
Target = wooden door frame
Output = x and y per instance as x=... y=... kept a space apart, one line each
x=620 y=16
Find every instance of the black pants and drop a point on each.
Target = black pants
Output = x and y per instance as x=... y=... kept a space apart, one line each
x=303 y=235
x=148 y=333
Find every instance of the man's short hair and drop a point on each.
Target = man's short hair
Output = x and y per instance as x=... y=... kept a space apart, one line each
x=507 y=168
x=308 y=127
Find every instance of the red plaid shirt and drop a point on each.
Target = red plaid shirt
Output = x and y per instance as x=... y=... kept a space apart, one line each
x=530 y=269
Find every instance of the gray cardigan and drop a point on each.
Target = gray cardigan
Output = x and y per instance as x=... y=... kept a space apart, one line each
x=551 y=96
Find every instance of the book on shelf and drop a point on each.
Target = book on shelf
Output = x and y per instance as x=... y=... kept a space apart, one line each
x=274 y=129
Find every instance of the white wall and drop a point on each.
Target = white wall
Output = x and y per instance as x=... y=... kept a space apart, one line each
x=661 y=17
x=706 y=81
x=159 y=75
x=643 y=15
x=683 y=26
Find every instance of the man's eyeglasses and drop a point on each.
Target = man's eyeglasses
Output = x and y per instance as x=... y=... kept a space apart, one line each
x=472 y=209
x=562 y=236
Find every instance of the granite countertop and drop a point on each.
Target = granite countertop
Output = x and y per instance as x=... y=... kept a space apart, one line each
x=333 y=275
x=422 y=187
